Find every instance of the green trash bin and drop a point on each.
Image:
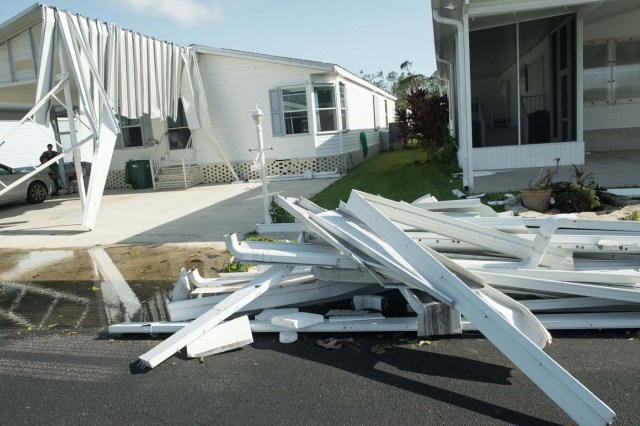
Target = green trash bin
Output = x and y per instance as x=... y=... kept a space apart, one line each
x=137 y=173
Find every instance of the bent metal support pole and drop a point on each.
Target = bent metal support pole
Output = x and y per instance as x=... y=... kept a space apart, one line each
x=574 y=398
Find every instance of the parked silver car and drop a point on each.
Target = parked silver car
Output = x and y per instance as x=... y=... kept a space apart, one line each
x=34 y=190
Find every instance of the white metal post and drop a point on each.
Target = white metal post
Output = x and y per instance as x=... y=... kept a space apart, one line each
x=257 y=118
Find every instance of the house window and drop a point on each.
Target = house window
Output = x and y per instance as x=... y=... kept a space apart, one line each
x=325 y=103
x=289 y=111
x=178 y=132
x=130 y=132
x=343 y=106
x=612 y=71
x=294 y=102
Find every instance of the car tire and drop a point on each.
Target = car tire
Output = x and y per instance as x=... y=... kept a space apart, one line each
x=37 y=192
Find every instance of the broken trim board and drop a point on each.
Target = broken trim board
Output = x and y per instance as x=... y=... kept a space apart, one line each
x=227 y=336
x=297 y=320
x=214 y=316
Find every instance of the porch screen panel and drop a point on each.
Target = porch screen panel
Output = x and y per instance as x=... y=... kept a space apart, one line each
x=494 y=91
x=627 y=70
x=547 y=78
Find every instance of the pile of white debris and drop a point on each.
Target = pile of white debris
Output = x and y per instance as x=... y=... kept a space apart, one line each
x=458 y=264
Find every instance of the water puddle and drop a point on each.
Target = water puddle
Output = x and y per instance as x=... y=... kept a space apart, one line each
x=95 y=287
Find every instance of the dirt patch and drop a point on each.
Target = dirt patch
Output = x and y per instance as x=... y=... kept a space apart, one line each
x=136 y=263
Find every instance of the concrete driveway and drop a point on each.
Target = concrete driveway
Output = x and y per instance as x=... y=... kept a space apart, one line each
x=201 y=214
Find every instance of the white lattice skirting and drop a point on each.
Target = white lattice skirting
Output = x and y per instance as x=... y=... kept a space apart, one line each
x=219 y=173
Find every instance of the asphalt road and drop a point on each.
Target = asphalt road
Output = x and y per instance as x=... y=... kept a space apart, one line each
x=57 y=377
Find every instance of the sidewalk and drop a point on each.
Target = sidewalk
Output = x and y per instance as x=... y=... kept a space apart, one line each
x=201 y=214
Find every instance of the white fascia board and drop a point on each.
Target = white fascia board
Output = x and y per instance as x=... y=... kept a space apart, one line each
x=321 y=66
x=503 y=7
x=575 y=399
x=214 y=316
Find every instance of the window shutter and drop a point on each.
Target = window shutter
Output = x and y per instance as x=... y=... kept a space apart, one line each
x=277 y=114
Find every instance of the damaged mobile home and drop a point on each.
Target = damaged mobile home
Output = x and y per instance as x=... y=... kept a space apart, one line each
x=457 y=267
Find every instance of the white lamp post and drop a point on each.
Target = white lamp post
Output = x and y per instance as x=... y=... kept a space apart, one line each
x=257 y=118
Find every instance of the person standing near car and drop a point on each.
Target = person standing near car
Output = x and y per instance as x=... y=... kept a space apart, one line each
x=54 y=168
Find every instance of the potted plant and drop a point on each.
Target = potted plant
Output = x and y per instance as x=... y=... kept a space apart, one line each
x=538 y=193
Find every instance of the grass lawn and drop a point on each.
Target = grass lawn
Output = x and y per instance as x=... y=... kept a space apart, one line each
x=398 y=175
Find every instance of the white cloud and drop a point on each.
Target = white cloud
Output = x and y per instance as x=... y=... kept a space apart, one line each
x=184 y=12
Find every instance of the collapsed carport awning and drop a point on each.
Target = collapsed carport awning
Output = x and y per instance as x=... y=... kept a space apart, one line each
x=102 y=71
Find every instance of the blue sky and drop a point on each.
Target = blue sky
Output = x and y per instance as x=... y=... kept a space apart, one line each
x=368 y=35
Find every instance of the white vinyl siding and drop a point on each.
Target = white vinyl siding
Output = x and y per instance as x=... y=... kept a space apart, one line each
x=517 y=156
x=233 y=87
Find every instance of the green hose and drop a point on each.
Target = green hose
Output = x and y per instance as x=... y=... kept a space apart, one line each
x=363 y=142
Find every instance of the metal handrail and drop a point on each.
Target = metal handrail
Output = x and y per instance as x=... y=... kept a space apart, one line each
x=189 y=161
x=157 y=158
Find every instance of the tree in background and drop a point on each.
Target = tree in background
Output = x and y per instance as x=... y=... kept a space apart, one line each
x=399 y=84
x=422 y=113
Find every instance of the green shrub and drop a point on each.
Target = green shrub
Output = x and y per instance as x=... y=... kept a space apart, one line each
x=278 y=214
x=236 y=266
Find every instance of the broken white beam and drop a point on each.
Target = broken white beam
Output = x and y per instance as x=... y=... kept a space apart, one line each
x=561 y=287
x=491 y=239
x=214 y=316
x=575 y=399
x=225 y=337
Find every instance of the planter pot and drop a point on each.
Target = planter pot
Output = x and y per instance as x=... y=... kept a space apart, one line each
x=536 y=200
